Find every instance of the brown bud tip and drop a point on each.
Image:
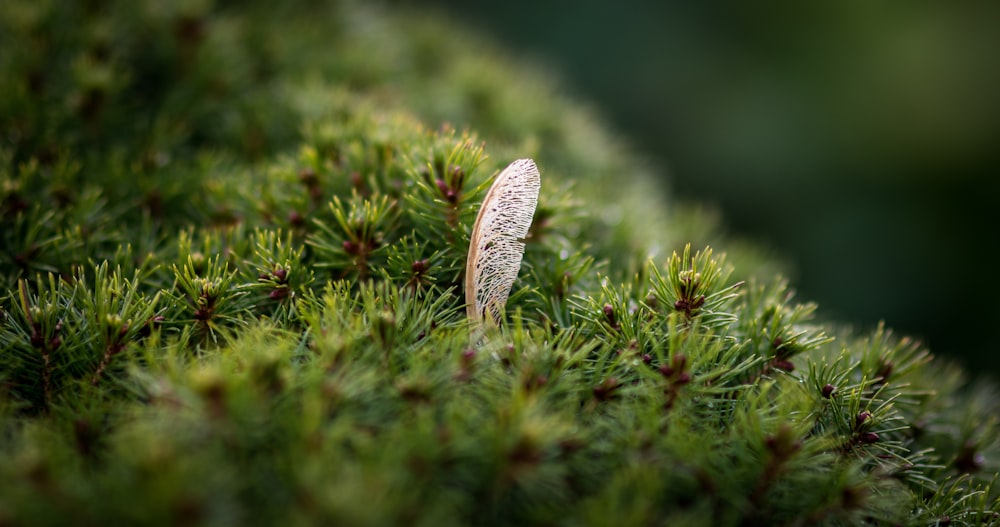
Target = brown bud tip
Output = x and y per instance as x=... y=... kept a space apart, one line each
x=783 y=442
x=683 y=378
x=55 y=343
x=647 y=358
x=441 y=185
x=868 y=438
x=281 y=274
x=861 y=418
x=350 y=247
x=969 y=459
x=679 y=361
x=885 y=370
x=609 y=314
x=828 y=390
x=666 y=370
x=700 y=301
x=606 y=389
x=651 y=300
x=278 y=294
x=852 y=497
x=773 y=444
x=783 y=365
x=419 y=266
x=295 y=219
x=308 y=176
x=202 y=314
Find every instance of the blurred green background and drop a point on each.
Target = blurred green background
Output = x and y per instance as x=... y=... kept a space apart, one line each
x=857 y=139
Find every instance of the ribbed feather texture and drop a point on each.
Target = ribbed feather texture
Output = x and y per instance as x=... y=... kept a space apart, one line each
x=496 y=249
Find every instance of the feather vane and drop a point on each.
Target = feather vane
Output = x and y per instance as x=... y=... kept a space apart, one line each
x=496 y=249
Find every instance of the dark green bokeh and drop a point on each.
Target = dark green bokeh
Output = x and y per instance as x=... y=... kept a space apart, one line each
x=857 y=138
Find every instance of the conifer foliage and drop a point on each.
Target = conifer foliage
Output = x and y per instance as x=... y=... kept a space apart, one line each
x=232 y=264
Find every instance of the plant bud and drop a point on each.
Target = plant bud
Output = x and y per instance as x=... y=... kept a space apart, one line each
x=868 y=438
x=861 y=418
x=651 y=301
x=678 y=362
x=467 y=356
x=783 y=365
x=885 y=370
x=606 y=389
x=457 y=175
x=308 y=176
x=278 y=294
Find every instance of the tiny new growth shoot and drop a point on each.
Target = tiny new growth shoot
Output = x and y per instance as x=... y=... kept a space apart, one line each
x=495 y=247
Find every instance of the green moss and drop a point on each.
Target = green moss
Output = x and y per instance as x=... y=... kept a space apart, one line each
x=234 y=296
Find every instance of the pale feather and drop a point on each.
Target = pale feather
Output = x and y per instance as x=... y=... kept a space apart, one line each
x=495 y=248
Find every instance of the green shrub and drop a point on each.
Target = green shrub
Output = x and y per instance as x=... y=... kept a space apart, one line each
x=233 y=247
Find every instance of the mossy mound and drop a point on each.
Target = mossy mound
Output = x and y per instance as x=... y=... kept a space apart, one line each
x=233 y=248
